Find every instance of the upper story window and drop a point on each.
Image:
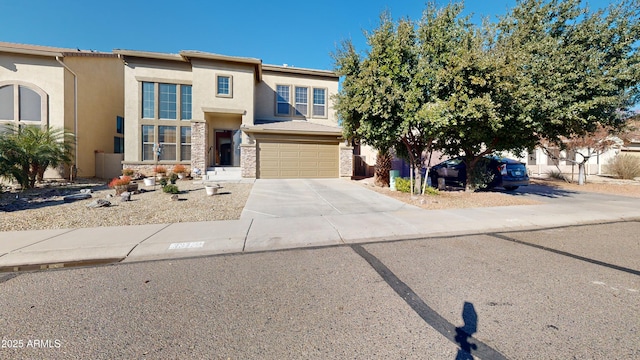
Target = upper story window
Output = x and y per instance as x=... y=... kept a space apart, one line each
x=282 y=100
x=164 y=101
x=302 y=101
x=185 y=103
x=119 y=125
x=168 y=97
x=148 y=100
x=224 y=85
x=22 y=103
x=319 y=102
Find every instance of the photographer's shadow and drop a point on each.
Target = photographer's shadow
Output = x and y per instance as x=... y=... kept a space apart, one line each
x=464 y=333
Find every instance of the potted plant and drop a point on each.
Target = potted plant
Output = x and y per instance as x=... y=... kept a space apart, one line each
x=120 y=184
x=180 y=170
x=160 y=170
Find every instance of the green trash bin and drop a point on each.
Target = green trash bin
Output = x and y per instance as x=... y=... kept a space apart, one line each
x=393 y=174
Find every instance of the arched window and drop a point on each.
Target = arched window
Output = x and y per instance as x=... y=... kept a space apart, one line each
x=22 y=104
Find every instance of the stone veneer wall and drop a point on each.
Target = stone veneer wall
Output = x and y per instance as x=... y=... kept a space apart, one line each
x=147 y=169
x=346 y=161
x=199 y=146
x=248 y=160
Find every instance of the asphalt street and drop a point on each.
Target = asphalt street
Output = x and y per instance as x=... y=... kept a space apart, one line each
x=556 y=293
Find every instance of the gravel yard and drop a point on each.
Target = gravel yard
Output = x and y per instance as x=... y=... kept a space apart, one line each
x=43 y=208
x=462 y=199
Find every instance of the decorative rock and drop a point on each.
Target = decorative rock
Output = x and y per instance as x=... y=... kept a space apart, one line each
x=99 y=203
x=174 y=197
x=76 y=197
x=125 y=196
x=86 y=191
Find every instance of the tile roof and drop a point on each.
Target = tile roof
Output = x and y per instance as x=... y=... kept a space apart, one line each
x=48 y=50
x=295 y=126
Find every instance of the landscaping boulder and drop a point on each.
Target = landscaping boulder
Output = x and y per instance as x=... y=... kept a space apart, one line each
x=75 y=197
x=125 y=196
x=99 y=203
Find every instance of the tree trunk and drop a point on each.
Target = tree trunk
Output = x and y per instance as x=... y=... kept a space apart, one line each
x=383 y=166
x=581 y=173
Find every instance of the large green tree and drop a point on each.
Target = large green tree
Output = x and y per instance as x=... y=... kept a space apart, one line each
x=578 y=71
x=26 y=153
x=472 y=83
x=382 y=97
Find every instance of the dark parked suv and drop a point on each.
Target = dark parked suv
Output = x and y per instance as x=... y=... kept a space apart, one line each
x=499 y=171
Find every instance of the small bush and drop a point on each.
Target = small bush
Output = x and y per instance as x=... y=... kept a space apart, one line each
x=481 y=177
x=125 y=180
x=403 y=185
x=624 y=166
x=431 y=191
x=163 y=182
x=173 y=177
x=170 y=189
x=160 y=170
x=179 y=169
x=127 y=172
x=555 y=174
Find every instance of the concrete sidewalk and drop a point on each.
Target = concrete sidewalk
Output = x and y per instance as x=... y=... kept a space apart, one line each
x=41 y=249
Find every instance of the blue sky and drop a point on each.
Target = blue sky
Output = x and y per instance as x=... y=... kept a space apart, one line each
x=298 y=33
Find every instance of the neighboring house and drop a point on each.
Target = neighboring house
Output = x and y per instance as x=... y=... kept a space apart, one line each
x=80 y=91
x=231 y=117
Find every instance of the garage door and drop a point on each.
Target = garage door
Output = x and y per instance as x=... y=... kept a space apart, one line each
x=291 y=160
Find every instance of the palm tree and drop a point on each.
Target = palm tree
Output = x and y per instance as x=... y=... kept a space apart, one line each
x=28 y=152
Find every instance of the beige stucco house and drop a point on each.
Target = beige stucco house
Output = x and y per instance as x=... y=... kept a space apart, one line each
x=231 y=117
x=80 y=91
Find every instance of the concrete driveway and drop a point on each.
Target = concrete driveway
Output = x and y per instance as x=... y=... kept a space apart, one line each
x=289 y=198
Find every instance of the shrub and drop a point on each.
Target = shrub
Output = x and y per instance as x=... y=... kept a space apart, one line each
x=624 y=166
x=179 y=169
x=170 y=189
x=481 y=177
x=431 y=191
x=160 y=170
x=125 y=180
x=173 y=177
x=163 y=182
x=555 y=174
x=127 y=172
x=403 y=185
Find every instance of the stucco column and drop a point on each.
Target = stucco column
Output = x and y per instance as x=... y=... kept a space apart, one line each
x=199 y=145
x=346 y=161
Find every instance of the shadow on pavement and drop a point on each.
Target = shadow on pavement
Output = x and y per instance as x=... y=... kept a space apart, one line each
x=470 y=318
x=547 y=191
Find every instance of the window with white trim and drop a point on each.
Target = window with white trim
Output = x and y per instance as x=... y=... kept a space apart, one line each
x=167 y=140
x=319 y=102
x=185 y=143
x=167 y=95
x=148 y=139
x=22 y=105
x=282 y=100
x=224 y=86
x=185 y=102
x=148 y=100
x=301 y=101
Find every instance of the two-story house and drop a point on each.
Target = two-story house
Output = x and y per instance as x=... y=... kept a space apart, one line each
x=231 y=117
x=79 y=91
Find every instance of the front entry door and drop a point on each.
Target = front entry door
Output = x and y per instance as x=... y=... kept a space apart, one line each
x=227 y=147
